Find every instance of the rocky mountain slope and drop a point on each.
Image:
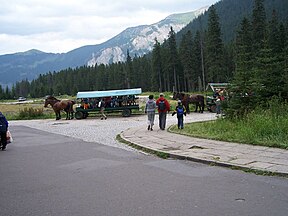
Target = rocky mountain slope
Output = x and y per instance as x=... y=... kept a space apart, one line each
x=137 y=40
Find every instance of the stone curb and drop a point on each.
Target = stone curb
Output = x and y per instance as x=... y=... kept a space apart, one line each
x=198 y=160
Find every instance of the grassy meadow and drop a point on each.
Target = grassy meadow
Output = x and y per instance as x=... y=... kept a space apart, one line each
x=26 y=110
x=261 y=127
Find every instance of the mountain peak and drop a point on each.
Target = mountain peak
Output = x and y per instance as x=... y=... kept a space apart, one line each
x=30 y=52
x=139 y=40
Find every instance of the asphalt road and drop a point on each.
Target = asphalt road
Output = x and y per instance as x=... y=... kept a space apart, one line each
x=44 y=173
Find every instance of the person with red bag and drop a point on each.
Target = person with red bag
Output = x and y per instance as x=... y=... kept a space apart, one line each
x=3 y=131
x=163 y=107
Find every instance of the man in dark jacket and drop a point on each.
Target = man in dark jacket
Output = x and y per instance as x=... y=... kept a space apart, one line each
x=3 y=131
x=163 y=108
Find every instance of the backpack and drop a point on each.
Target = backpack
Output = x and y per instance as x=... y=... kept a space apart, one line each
x=162 y=105
x=180 y=110
x=3 y=127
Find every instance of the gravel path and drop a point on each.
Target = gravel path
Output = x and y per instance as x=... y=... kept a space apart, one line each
x=101 y=131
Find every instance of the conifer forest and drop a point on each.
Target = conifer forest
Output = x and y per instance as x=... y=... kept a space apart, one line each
x=254 y=60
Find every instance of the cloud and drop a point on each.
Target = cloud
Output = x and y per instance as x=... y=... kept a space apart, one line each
x=63 y=25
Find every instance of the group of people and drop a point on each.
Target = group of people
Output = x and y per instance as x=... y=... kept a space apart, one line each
x=115 y=101
x=163 y=107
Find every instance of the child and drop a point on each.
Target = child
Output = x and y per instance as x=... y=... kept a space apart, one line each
x=181 y=111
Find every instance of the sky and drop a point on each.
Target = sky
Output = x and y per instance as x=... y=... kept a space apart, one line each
x=60 y=26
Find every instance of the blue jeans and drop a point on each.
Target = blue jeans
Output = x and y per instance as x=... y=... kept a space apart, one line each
x=180 y=122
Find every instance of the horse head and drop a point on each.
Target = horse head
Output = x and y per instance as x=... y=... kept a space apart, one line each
x=50 y=100
x=175 y=95
x=178 y=95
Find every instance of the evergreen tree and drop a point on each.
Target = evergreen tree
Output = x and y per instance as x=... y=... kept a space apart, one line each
x=268 y=72
x=157 y=70
x=285 y=62
x=259 y=25
x=187 y=58
x=1 y=93
x=173 y=60
x=129 y=71
x=198 y=62
x=214 y=48
x=274 y=34
x=165 y=58
x=243 y=84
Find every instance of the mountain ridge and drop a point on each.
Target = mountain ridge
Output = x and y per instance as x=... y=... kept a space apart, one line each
x=139 y=40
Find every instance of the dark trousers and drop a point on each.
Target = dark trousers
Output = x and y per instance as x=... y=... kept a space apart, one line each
x=3 y=139
x=180 y=122
x=162 y=120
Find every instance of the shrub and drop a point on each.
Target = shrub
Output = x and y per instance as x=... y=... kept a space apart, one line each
x=30 y=113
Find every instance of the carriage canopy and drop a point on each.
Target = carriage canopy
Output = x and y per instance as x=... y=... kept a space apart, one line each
x=109 y=93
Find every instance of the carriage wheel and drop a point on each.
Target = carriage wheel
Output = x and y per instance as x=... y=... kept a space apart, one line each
x=79 y=115
x=126 y=112
x=213 y=108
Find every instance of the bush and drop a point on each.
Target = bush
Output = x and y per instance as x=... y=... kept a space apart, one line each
x=30 y=113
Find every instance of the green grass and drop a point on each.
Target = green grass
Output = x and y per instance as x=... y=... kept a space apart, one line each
x=261 y=127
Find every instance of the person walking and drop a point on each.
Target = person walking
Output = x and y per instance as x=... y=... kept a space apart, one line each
x=150 y=110
x=163 y=107
x=3 y=131
x=180 y=111
x=101 y=105
x=218 y=107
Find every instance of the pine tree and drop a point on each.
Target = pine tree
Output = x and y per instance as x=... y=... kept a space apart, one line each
x=173 y=59
x=1 y=92
x=243 y=84
x=129 y=71
x=259 y=25
x=187 y=58
x=274 y=34
x=284 y=76
x=214 y=48
x=157 y=70
x=198 y=62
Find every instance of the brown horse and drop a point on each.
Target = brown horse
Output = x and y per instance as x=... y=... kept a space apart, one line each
x=187 y=99
x=58 y=105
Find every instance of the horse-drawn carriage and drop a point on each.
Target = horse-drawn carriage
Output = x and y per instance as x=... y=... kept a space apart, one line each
x=218 y=89
x=124 y=100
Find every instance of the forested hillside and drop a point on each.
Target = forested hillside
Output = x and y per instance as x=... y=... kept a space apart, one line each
x=255 y=60
x=231 y=13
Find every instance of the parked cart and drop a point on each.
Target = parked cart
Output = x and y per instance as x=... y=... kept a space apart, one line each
x=218 y=89
x=124 y=100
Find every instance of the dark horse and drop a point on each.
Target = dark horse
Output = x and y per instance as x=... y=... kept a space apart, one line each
x=58 y=105
x=187 y=99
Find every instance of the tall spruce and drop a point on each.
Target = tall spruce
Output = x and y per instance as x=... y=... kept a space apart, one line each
x=129 y=71
x=157 y=70
x=259 y=25
x=243 y=83
x=214 y=48
x=187 y=58
x=173 y=59
x=198 y=63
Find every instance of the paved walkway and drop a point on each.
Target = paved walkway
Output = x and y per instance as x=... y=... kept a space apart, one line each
x=209 y=151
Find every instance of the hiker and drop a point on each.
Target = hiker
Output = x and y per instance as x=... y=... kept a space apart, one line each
x=150 y=110
x=101 y=105
x=180 y=111
x=163 y=108
x=3 y=131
